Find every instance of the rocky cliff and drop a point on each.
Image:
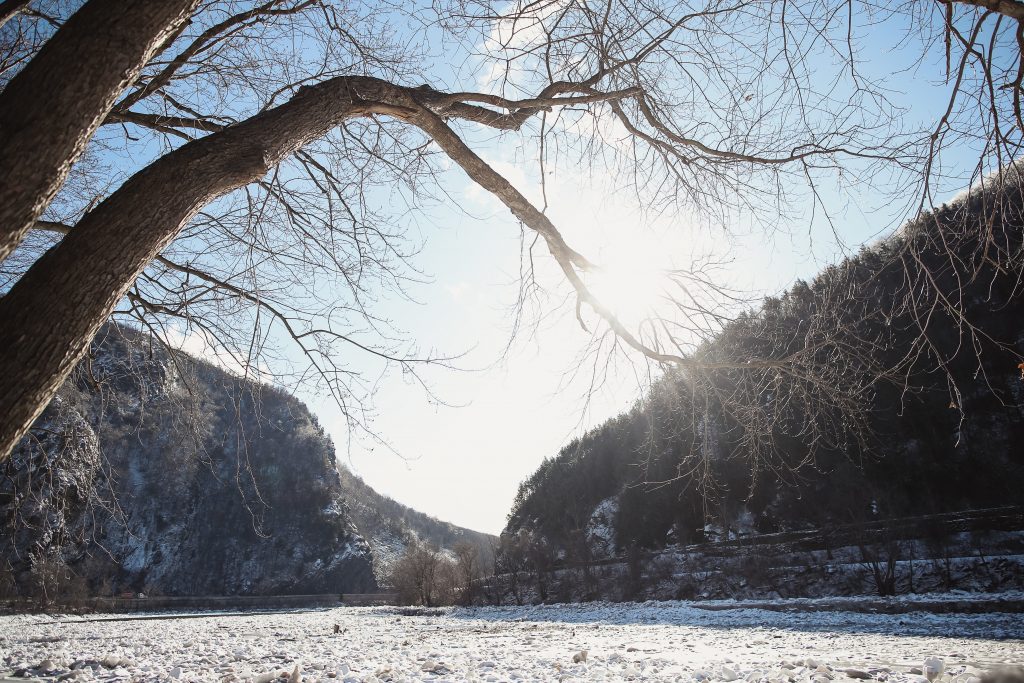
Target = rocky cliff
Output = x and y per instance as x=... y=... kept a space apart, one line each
x=155 y=472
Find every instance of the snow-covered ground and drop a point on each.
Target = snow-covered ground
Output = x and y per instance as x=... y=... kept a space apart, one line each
x=650 y=641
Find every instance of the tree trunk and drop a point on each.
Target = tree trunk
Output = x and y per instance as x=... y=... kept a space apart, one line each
x=49 y=317
x=52 y=107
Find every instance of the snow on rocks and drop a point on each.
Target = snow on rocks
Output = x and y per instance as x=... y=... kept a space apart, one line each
x=592 y=642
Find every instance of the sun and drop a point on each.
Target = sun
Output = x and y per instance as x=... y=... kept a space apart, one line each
x=632 y=283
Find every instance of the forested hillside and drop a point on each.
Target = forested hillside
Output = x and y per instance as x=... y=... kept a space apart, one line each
x=154 y=471
x=922 y=328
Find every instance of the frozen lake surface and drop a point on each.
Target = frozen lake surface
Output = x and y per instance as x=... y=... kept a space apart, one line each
x=650 y=641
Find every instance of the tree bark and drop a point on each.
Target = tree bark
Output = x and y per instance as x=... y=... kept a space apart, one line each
x=52 y=107
x=1010 y=8
x=49 y=317
x=10 y=9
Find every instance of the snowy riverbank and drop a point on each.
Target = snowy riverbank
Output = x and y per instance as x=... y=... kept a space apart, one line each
x=651 y=641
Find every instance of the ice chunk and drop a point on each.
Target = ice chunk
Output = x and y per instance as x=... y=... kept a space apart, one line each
x=933 y=668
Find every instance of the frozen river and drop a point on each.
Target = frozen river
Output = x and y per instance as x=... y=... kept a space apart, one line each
x=651 y=642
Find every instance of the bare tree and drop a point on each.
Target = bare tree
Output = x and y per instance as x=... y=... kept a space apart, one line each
x=468 y=571
x=424 y=576
x=262 y=129
x=511 y=566
x=542 y=557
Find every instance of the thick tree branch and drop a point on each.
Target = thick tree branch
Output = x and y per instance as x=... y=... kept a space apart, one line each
x=159 y=122
x=52 y=107
x=518 y=111
x=1009 y=8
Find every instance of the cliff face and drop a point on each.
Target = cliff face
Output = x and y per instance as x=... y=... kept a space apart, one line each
x=160 y=473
